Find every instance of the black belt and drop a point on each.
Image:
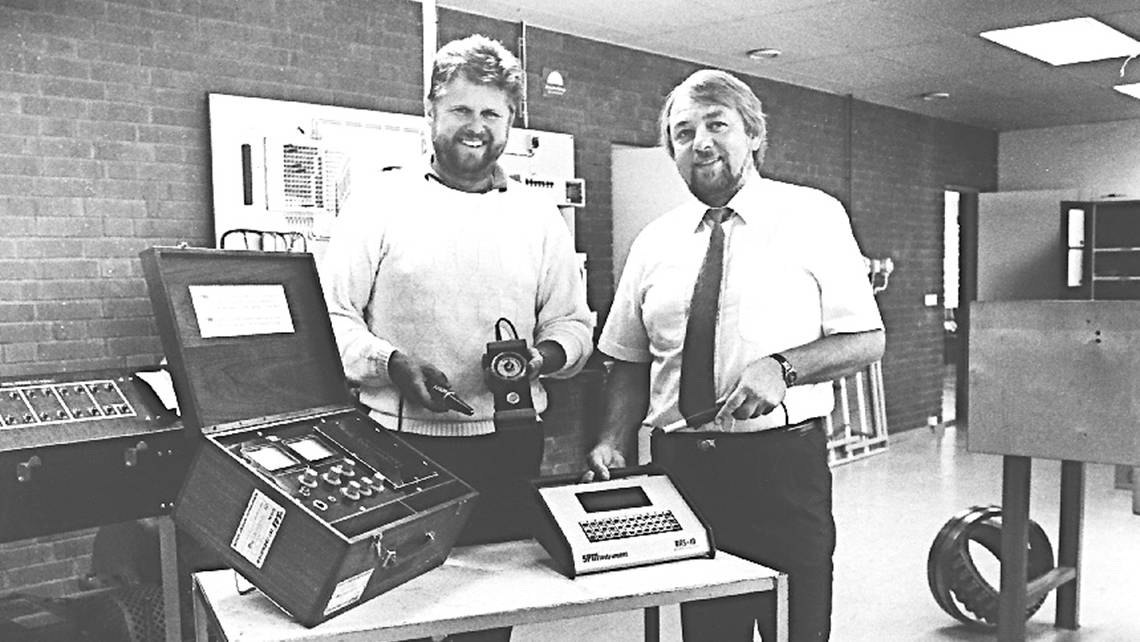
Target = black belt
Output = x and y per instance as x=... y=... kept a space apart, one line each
x=706 y=439
x=807 y=424
x=667 y=447
x=816 y=422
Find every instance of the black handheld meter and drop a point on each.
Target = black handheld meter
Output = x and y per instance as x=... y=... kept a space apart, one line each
x=506 y=364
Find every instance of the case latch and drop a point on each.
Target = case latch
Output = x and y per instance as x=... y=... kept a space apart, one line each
x=24 y=469
x=131 y=456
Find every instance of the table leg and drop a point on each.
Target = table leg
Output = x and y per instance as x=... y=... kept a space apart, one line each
x=168 y=563
x=782 y=607
x=1136 y=490
x=1012 y=598
x=1069 y=541
x=201 y=621
x=652 y=624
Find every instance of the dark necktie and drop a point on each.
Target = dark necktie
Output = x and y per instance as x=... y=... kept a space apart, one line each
x=698 y=392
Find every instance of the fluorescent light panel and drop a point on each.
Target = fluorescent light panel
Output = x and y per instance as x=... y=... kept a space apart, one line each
x=1131 y=89
x=1066 y=41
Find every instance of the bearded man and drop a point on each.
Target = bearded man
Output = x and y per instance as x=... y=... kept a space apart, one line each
x=421 y=267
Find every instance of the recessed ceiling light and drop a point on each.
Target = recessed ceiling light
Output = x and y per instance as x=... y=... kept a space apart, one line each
x=764 y=53
x=1066 y=41
x=935 y=96
x=1131 y=89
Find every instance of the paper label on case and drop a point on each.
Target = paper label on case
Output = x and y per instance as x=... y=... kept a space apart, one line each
x=348 y=591
x=241 y=310
x=258 y=528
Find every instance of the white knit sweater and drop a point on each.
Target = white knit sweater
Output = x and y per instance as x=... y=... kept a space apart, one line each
x=419 y=267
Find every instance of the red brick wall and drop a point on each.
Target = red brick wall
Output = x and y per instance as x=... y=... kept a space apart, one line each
x=104 y=151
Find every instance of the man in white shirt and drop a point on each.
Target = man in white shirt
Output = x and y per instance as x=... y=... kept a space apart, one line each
x=791 y=311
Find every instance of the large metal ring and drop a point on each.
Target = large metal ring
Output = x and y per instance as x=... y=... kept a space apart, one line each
x=954 y=578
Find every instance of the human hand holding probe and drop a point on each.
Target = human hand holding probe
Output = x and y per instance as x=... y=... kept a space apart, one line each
x=419 y=380
x=693 y=421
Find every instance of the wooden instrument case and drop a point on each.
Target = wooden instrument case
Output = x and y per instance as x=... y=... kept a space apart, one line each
x=256 y=369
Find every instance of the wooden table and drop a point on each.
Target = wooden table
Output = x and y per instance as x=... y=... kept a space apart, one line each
x=488 y=586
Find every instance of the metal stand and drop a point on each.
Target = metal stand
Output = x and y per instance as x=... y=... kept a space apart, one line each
x=1015 y=592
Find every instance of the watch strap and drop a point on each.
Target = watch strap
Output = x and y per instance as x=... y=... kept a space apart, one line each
x=789 y=371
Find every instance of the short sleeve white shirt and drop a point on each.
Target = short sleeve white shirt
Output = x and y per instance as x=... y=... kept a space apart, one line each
x=793 y=273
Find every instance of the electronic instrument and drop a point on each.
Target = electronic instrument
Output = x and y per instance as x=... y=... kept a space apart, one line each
x=506 y=364
x=636 y=517
x=295 y=486
x=84 y=449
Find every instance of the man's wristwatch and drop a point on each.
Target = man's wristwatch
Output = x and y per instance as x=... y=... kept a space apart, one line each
x=790 y=373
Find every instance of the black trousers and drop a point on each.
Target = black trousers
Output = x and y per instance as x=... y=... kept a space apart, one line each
x=499 y=466
x=767 y=497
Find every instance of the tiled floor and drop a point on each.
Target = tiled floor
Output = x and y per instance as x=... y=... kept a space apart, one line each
x=889 y=508
x=949 y=388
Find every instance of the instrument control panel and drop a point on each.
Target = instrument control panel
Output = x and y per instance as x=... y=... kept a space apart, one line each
x=53 y=403
x=312 y=462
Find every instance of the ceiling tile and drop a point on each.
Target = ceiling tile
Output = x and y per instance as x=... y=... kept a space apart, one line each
x=856 y=69
x=738 y=36
x=974 y=16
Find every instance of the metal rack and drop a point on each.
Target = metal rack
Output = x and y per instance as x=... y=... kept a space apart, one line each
x=857 y=427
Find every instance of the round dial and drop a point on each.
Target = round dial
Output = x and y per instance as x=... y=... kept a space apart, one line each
x=508 y=366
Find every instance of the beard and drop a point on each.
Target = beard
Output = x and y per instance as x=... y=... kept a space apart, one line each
x=715 y=184
x=467 y=163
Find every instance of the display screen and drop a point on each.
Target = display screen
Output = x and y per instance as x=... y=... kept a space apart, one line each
x=613 y=499
x=269 y=458
x=310 y=448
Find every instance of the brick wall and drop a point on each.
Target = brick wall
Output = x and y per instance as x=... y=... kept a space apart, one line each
x=46 y=565
x=104 y=152
x=902 y=163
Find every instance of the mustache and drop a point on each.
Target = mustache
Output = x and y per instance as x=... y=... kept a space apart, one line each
x=468 y=134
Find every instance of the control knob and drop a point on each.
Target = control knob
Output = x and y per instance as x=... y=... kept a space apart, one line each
x=348 y=467
x=353 y=490
x=308 y=478
x=332 y=476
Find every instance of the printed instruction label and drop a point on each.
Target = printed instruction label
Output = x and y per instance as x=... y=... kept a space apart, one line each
x=240 y=310
x=348 y=591
x=258 y=528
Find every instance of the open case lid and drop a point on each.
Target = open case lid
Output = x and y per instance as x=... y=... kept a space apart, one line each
x=246 y=334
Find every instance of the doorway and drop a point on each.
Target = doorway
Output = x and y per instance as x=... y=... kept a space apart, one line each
x=959 y=288
x=950 y=304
